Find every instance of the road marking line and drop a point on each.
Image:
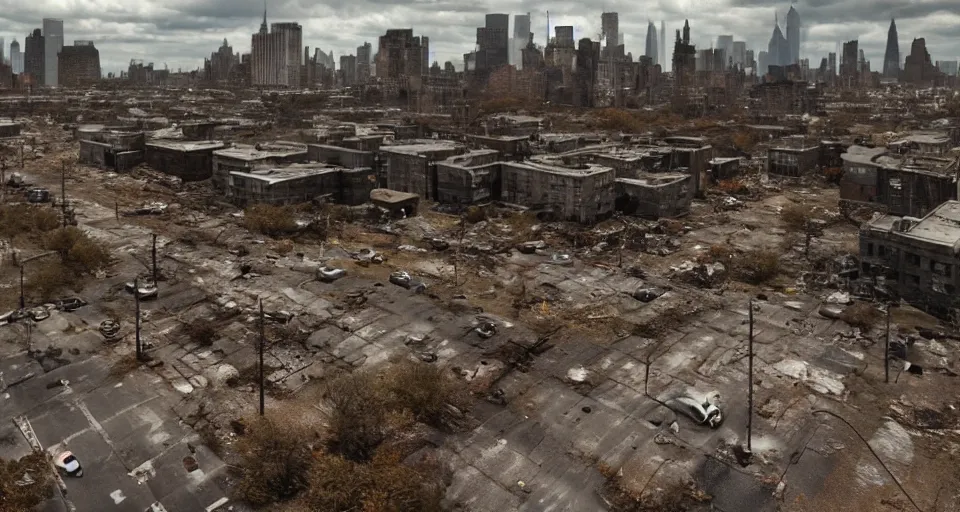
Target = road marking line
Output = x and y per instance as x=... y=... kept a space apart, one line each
x=217 y=504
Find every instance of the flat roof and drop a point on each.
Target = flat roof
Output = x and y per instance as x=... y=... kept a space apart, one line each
x=273 y=175
x=862 y=154
x=466 y=159
x=262 y=151
x=419 y=149
x=386 y=195
x=591 y=170
x=198 y=145
x=941 y=226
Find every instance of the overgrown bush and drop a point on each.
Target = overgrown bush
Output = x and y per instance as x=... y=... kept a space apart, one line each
x=757 y=266
x=795 y=217
x=20 y=494
x=862 y=314
x=733 y=187
x=201 y=332
x=426 y=391
x=277 y=460
x=78 y=252
x=358 y=419
x=342 y=485
x=613 y=119
x=21 y=219
x=270 y=220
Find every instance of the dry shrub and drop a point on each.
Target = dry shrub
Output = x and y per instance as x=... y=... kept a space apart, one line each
x=47 y=279
x=284 y=247
x=499 y=105
x=732 y=187
x=833 y=174
x=721 y=253
x=678 y=496
x=202 y=332
x=426 y=391
x=475 y=214
x=862 y=315
x=757 y=266
x=276 y=460
x=795 y=217
x=22 y=219
x=617 y=120
x=23 y=498
x=358 y=419
x=745 y=141
x=270 y=220
x=342 y=485
x=78 y=252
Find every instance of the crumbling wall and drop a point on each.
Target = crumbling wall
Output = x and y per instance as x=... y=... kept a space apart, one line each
x=186 y=165
x=914 y=194
x=467 y=185
x=126 y=160
x=792 y=163
x=246 y=189
x=410 y=173
x=93 y=153
x=655 y=197
x=585 y=198
x=356 y=185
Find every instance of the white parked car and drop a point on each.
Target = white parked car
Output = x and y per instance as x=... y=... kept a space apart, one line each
x=69 y=464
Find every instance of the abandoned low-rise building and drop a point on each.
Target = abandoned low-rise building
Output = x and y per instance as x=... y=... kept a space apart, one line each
x=658 y=195
x=469 y=178
x=189 y=161
x=792 y=157
x=344 y=157
x=246 y=157
x=398 y=204
x=9 y=129
x=299 y=183
x=509 y=147
x=584 y=194
x=916 y=259
x=109 y=148
x=724 y=168
x=514 y=125
x=411 y=167
x=910 y=185
x=926 y=143
x=198 y=130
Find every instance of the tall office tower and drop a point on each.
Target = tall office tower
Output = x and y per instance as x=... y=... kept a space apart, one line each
x=3 y=58
x=947 y=67
x=652 y=50
x=348 y=70
x=891 y=57
x=725 y=43
x=16 y=58
x=793 y=35
x=778 y=49
x=52 y=44
x=564 y=36
x=664 y=61
x=33 y=55
x=740 y=54
x=275 y=55
x=399 y=54
x=79 y=64
x=849 y=63
x=364 y=56
x=493 y=46
x=832 y=64
x=521 y=36
x=610 y=32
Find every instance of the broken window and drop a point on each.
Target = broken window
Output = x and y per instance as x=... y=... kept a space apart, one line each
x=881 y=250
x=940 y=269
x=869 y=249
x=913 y=259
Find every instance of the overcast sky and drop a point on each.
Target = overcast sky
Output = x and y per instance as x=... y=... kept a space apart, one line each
x=181 y=33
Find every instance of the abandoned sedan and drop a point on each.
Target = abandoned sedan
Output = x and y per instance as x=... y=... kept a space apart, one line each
x=330 y=274
x=69 y=464
x=404 y=279
x=704 y=413
x=145 y=290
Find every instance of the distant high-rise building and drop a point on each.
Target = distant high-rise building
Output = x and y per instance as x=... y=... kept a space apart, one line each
x=400 y=54
x=79 y=65
x=917 y=68
x=725 y=43
x=521 y=36
x=750 y=61
x=739 y=54
x=832 y=65
x=33 y=55
x=364 y=57
x=3 y=49
x=793 y=36
x=891 y=57
x=564 y=36
x=16 y=58
x=275 y=55
x=652 y=49
x=610 y=32
x=221 y=63
x=849 y=63
x=664 y=62
x=493 y=45
x=947 y=67
x=52 y=44
x=778 y=49
x=348 y=70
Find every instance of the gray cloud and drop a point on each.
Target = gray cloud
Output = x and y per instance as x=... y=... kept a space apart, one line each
x=182 y=32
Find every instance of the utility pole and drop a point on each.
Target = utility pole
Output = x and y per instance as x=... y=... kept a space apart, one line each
x=262 y=343
x=63 y=191
x=886 y=349
x=750 y=380
x=136 y=298
x=154 y=254
x=21 y=286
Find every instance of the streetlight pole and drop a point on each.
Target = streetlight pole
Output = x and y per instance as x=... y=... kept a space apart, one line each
x=262 y=343
x=154 y=253
x=63 y=191
x=136 y=299
x=22 y=303
x=750 y=379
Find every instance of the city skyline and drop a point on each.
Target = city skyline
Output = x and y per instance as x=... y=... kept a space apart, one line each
x=181 y=34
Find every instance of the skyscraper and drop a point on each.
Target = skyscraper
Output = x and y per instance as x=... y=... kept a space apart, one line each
x=652 y=49
x=778 y=49
x=2 y=49
x=891 y=57
x=52 y=44
x=740 y=54
x=275 y=55
x=664 y=62
x=364 y=56
x=610 y=31
x=725 y=43
x=793 y=36
x=33 y=54
x=849 y=63
x=16 y=58
x=521 y=36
